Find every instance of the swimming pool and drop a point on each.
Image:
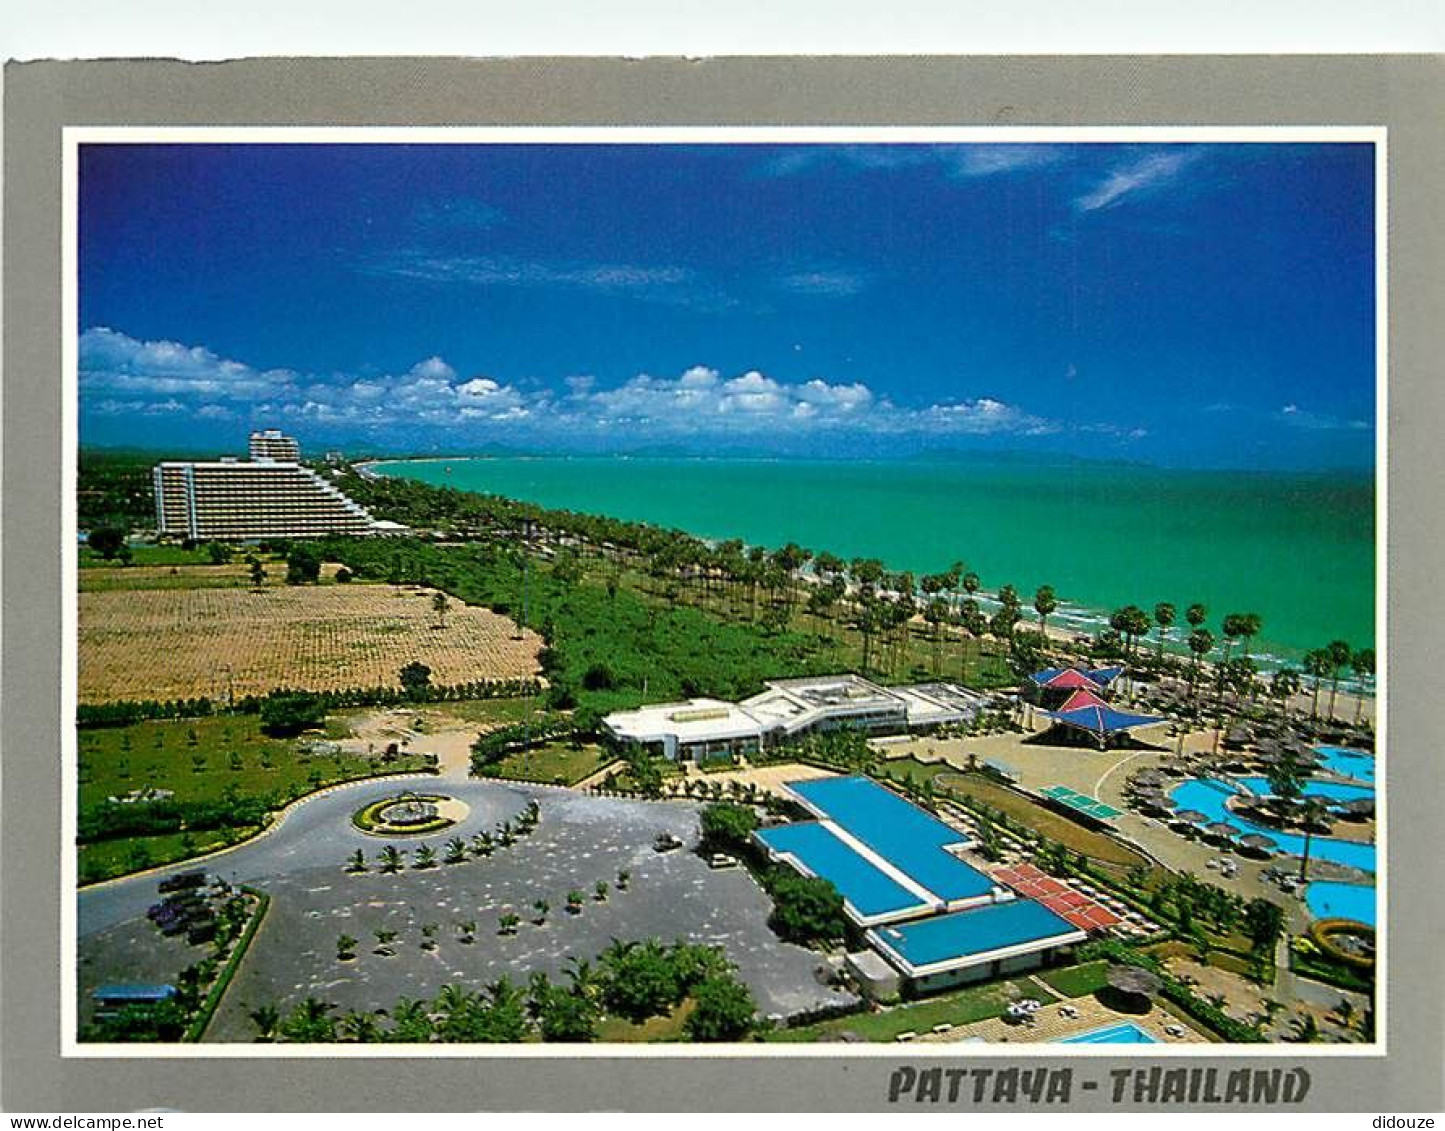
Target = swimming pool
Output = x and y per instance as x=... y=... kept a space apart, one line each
x=1328 y=900
x=1329 y=790
x=1208 y=796
x=1124 y=1033
x=1354 y=764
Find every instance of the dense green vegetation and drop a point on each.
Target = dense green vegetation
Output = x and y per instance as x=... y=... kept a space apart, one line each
x=604 y=650
x=115 y=487
x=629 y=985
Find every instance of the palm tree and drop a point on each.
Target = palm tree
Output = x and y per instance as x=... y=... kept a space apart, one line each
x=1306 y=1028
x=426 y=857
x=1338 y=654
x=390 y=859
x=1201 y=643
x=1164 y=614
x=456 y=850
x=585 y=981
x=1045 y=602
x=1317 y=666
x=345 y=948
x=360 y=1028
x=482 y=844
x=508 y=922
x=467 y=931
x=1311 y=812
x=541 y=906
x=600 y=891
x=1283 y=686
x=356 y=862
x=265 y=1018
x=1362 y=664
x=384 y=938
x=624 y=878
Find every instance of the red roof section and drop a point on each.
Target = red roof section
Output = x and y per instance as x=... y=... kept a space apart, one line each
x=1079 y=909
x=1082 y=698
x=1072 y=678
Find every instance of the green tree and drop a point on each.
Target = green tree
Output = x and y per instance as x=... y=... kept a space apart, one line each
x=439 y=606
x=567 y=1017
x=1338 y=654
x=391 y=859
x=415 y=679
x=426 y=857
x=303 y=567
x=727 y=826
x=1164 y=614
x=258 y=572
x=289 y=713
x=107 y=540
x=805 y=908
x=1264 y=923
x=310 y=1023
x=456 y=851
x=723 y=1010
x=346 y=948
x=266 y=1018
x=218 y=553
x=1045 y=602
x=639 y=981
x=1362 y=665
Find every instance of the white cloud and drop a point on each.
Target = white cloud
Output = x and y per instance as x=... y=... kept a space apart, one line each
x=431 y=397
x=840 y=284
x=1296 y=417
x=1152 y=171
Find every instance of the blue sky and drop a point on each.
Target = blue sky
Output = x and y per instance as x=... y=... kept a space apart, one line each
x=1191 y=305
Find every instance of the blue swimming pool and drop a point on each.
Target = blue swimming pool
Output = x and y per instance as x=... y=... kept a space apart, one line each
x=1124 y=1033
x=870 y=890
x=1329 y=790
x=1328 y=900
x=1208 y=796
x=1355 y=764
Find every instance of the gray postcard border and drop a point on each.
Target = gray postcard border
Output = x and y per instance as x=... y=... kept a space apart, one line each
x=1401 y=93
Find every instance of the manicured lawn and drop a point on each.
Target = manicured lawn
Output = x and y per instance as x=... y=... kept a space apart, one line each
x=201 y=760
x=667 y=1028
x=487 y=712
x=1076 y=981
x=976 y=1003
x=556 y=763
x=147 y=555
x=108 y=858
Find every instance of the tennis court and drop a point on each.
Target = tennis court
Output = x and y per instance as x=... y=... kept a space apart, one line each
x=1079 y=909
x=1080 y=802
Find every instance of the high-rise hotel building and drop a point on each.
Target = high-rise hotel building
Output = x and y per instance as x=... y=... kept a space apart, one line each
x=271 y=495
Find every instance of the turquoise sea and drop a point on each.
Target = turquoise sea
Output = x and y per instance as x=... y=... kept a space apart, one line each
x=1298 y=549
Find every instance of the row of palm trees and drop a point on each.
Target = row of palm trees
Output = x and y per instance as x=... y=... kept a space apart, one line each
x=768 y=586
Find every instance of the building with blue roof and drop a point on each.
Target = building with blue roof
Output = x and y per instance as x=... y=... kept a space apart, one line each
x=931 y=915
x=969 y=946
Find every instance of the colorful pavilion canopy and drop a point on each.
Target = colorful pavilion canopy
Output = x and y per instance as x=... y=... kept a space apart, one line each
x=1103 y=721
x=1071 y=679
x=1066 y=679
x=1082 y=698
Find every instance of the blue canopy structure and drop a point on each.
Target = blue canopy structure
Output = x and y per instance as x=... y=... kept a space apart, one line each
x=1101 y=722
x=1105 y=676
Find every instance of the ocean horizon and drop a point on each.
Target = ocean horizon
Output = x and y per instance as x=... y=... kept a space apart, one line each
x=1298 y=548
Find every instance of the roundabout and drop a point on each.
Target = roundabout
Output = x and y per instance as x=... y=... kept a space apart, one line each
x=410 y=814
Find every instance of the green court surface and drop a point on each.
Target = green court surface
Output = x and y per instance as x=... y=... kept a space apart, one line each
x=1073 y=799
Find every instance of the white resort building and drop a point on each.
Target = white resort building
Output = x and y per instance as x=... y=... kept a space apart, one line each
x=271 y=495
x=700 y=729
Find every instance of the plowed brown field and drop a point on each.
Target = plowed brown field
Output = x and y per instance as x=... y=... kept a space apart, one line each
x=177 y=643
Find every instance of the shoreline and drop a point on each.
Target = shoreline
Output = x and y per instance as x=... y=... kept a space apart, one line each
x=1078 y=619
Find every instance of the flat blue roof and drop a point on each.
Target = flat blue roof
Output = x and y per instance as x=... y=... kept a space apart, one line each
x=870 y=890
x=977 y=930
x=903 y=834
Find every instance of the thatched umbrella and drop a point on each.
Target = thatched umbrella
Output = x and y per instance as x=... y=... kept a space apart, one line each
x=1147 y=778
x=1191 y=817
x=1361 y=807
x=1257 y=842
x=1133 y=981
x=1223 y=830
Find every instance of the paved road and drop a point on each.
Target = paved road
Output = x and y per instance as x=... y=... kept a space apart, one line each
x=315 y=833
